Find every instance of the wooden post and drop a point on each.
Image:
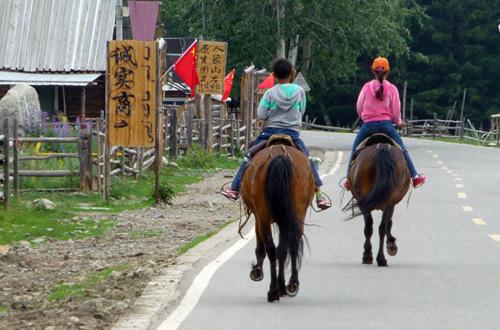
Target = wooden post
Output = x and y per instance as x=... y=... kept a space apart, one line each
x=107 y=156
x=410 y=130
x=207 y=107
x=434 y=126
x=159 y=107
x=462 y=114
x=140 y=156
x=232 y=134
x=85 y=155
x=122 y=162
x=82 y=109
x=248 y=107
x=173 y=132
x=5 y=145
x=189 y=125
x=306 y=124
x=15 y=155
x=221 y=132
x=497 y=122
x=98 y=144
x=404 y=106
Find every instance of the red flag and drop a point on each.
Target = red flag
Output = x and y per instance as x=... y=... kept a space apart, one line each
x=267 y=83
x=228 y=85
x=185 y=67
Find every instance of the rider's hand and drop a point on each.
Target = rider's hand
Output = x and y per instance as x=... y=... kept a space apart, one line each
x=401 y=125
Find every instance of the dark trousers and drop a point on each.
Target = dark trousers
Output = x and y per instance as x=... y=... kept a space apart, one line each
x=386 y=127
x=264 y=136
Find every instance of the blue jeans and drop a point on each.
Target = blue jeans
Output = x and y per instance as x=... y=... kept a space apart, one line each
x=264 y=136
x=388 y=129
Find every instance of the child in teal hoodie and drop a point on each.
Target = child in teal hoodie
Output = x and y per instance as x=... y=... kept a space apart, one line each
x=283 y=107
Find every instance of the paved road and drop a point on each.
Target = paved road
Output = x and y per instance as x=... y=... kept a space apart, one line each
x=446 y=274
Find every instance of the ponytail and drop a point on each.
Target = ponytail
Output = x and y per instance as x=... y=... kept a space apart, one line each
x=380 y=75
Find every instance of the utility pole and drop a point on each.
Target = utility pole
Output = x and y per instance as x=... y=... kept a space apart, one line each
x=119 y=19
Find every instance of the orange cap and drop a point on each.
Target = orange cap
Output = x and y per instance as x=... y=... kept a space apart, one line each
x=381 y=62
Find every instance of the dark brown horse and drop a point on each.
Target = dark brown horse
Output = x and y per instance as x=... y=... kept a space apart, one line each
x=278 y=187
x=379 y=179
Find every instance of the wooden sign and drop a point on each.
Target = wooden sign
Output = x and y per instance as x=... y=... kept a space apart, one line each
x=132 y=94
x=211 y=64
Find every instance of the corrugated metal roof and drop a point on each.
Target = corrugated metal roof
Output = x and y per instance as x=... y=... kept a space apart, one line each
x=55 y=35
x=51 y=79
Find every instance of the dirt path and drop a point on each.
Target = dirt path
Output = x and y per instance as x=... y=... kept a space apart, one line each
x=111 y=271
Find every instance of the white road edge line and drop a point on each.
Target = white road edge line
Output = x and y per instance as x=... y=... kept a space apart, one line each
x=335 y=167
x=200 y=283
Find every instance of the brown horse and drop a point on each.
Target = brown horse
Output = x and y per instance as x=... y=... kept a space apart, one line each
x=379 y=179
x=278 y=187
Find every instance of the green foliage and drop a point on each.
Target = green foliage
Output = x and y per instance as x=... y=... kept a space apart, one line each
x=191 y=244
x=197 y=158
x=78 y=290
x=166 y=192
x=22 y=222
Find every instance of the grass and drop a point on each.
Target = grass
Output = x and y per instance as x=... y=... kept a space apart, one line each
x=461 y=141
x=23 y=222
x=78 y=290
x=191 y=244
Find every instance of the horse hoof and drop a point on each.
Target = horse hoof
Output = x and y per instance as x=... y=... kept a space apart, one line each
x=382 y=263
x=256 y=274
x=392 y=248
x=367 y=260
x=273 y=296
x=292 y=289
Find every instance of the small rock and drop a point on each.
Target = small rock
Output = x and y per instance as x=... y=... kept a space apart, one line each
x=50 y=327
x=25 y=244
x=92 y=305
x=74 y=319
x=99 y=265
x=44 y=204
x=3 y=314
x=116 y=275
x=143 y=273
x=39 y=239
x=4 y=250
x=119 y=306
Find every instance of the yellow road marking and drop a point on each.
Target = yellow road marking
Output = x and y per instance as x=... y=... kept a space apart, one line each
x=429 y=151
x=467 y=209
x=458 y=179
x=479 y=222
x=495 y=237
x=462 y=195
x=444 y=168
x=459 y=185
x=435 y=156
x=449 y=172
x=440 y=162
x=454 y=174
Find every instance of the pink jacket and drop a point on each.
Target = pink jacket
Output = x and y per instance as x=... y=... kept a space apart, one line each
x=370 y=108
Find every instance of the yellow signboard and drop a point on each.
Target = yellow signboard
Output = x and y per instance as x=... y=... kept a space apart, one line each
x=211 y=67
x=131 y=93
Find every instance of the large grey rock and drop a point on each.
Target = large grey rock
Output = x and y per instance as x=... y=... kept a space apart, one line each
x=21 y=102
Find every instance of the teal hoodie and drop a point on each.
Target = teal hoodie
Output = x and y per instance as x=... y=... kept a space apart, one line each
x=283 y=106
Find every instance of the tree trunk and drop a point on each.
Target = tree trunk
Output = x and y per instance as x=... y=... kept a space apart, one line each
x=306 y=55
x=294 y=50
x=280 y=18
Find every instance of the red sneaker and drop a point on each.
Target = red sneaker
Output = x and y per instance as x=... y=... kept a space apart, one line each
x=322 y=201
x=230 y=193
x=347 y=185
x=419 y=180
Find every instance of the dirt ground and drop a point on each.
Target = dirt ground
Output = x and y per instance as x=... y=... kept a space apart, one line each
x=138 y=246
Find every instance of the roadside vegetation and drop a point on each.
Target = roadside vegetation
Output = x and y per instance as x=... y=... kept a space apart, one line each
x=25 y=222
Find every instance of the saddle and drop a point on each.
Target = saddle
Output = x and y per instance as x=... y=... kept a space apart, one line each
x=273 y=140
x=375 y=139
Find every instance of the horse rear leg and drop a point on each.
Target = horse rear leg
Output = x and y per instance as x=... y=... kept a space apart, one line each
x=256 y=274
x=392 y=248
x=382 y=230
x=367 y=254
x=273 y=294
x=282 y=253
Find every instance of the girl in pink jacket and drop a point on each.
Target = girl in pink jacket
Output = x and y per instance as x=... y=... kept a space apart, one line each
x=379 y=107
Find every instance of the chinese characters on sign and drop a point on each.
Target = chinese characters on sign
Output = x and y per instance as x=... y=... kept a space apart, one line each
x=211 y=67
x=132 y=93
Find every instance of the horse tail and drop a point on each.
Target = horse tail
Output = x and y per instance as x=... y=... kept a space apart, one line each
x=385 y=180
x=279 y=201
